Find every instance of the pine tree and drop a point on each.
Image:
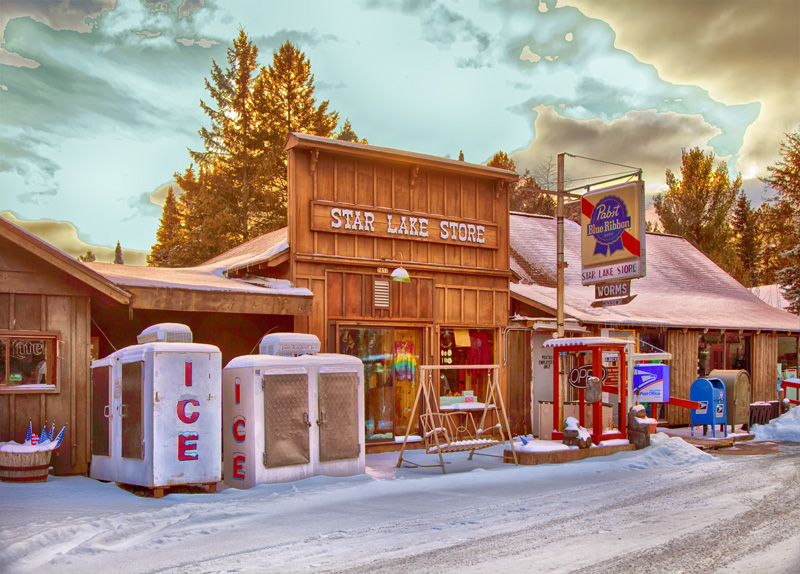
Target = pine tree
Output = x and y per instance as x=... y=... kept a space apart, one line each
x=118 y=255
x=782 y=219
x=748 y=248
x=285 y=94
x=88 y=257
x=789 y=278
x=169 y=237
x=347 y=134
x=238 y=189
x=698 y=206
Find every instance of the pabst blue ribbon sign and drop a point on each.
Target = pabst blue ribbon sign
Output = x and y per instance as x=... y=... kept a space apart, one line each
x=612 y=241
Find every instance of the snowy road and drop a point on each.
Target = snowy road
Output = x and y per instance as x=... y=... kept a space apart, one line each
x=669 y=508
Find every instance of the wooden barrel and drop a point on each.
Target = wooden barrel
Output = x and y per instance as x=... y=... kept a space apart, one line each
x=24 y=466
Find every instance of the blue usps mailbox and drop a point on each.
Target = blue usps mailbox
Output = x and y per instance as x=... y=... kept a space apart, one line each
x=710 y=393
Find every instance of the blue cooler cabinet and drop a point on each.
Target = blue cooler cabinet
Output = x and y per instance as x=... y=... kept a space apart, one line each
x=710 y=393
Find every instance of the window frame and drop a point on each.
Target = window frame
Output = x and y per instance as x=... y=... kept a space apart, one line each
x=52 y=341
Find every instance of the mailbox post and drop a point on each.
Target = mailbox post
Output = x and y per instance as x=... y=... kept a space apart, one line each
x=710 y=393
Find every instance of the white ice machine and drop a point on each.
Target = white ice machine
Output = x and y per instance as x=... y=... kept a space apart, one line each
x=157 y=411
x=288 y=418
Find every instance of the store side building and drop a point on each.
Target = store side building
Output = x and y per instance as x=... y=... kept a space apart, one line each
x=686 y=305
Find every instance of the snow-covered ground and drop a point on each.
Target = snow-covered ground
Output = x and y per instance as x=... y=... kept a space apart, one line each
x=667 y=508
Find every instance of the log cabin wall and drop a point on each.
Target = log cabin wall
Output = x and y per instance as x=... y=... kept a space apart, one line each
x=683 y=345
x=41 y=301
x=764 y=378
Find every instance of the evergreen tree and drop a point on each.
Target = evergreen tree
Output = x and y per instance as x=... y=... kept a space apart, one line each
x=501 y=160
x=748 y=248
x=88 y=257
x=789 y=277
x=284 y=96
x=347 y=134
x=522 y=196
x=698 y=206
x=170 y=237
x=780 y=217
x=118 y=255
x=238 y=189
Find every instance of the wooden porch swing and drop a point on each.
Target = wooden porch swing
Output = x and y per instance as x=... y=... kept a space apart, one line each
x=454 y=428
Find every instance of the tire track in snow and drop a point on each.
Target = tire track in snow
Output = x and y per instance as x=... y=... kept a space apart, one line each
x=707 y=545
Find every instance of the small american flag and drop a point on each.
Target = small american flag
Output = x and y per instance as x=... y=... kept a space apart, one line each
x=34 y=439
x=60 y=436
x=30 y=432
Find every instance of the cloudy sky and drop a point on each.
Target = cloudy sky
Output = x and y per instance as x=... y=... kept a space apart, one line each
x=99 y=99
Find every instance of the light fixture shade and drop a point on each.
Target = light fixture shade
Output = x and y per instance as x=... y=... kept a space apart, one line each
x=400 y=274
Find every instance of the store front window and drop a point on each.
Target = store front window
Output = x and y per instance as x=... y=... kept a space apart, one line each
x=788 y=356
x=464 y=347
x=723 y=351
x=391 y=372
x=27 y=360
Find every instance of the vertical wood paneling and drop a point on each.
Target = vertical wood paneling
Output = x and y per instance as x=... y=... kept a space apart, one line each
x=470 y=301
x=345 y=181
x=764 y=375
x=682 y=371
x=436 y=190
x=325 y=173
x=402 y=199
x=366 y=178
x=383 y=186
x=469 y=197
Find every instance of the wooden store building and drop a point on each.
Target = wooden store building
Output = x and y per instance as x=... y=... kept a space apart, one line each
x=407 y=256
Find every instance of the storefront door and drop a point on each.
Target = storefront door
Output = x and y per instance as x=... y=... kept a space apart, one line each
x=391 y=360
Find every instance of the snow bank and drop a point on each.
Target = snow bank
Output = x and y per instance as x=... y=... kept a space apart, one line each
x=664 y=451
x=785 y=427
x=16 y=447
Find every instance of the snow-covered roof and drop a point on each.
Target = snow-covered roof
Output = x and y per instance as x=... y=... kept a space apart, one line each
x=683 y=287
x=207 y=277
x=60 y=260
x=253 y=252
x=587 y=342
x=771 y=295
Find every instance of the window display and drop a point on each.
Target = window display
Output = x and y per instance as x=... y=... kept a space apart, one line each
x=464 y=347
x=723 y=351
x=391 y=364
x=26 y=360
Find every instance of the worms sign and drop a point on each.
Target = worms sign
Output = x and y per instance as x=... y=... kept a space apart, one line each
x=612 y=234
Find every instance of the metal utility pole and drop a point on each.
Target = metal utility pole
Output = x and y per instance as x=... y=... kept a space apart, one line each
x=560 y=256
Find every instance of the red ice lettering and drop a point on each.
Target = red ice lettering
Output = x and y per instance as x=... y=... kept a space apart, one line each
x=182 y=416
x=187 y=446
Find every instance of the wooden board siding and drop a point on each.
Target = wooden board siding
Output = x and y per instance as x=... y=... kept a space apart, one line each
x=763 y=380
x=357 y=213
x=68 y=316
x=386 y=188
x=682 y=371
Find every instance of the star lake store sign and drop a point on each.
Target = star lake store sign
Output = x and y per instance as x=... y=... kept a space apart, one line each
x=387 y=223
x=613 y=239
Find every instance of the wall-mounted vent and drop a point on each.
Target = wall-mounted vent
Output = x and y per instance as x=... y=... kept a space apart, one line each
x=165 y=333
x=381 y=294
